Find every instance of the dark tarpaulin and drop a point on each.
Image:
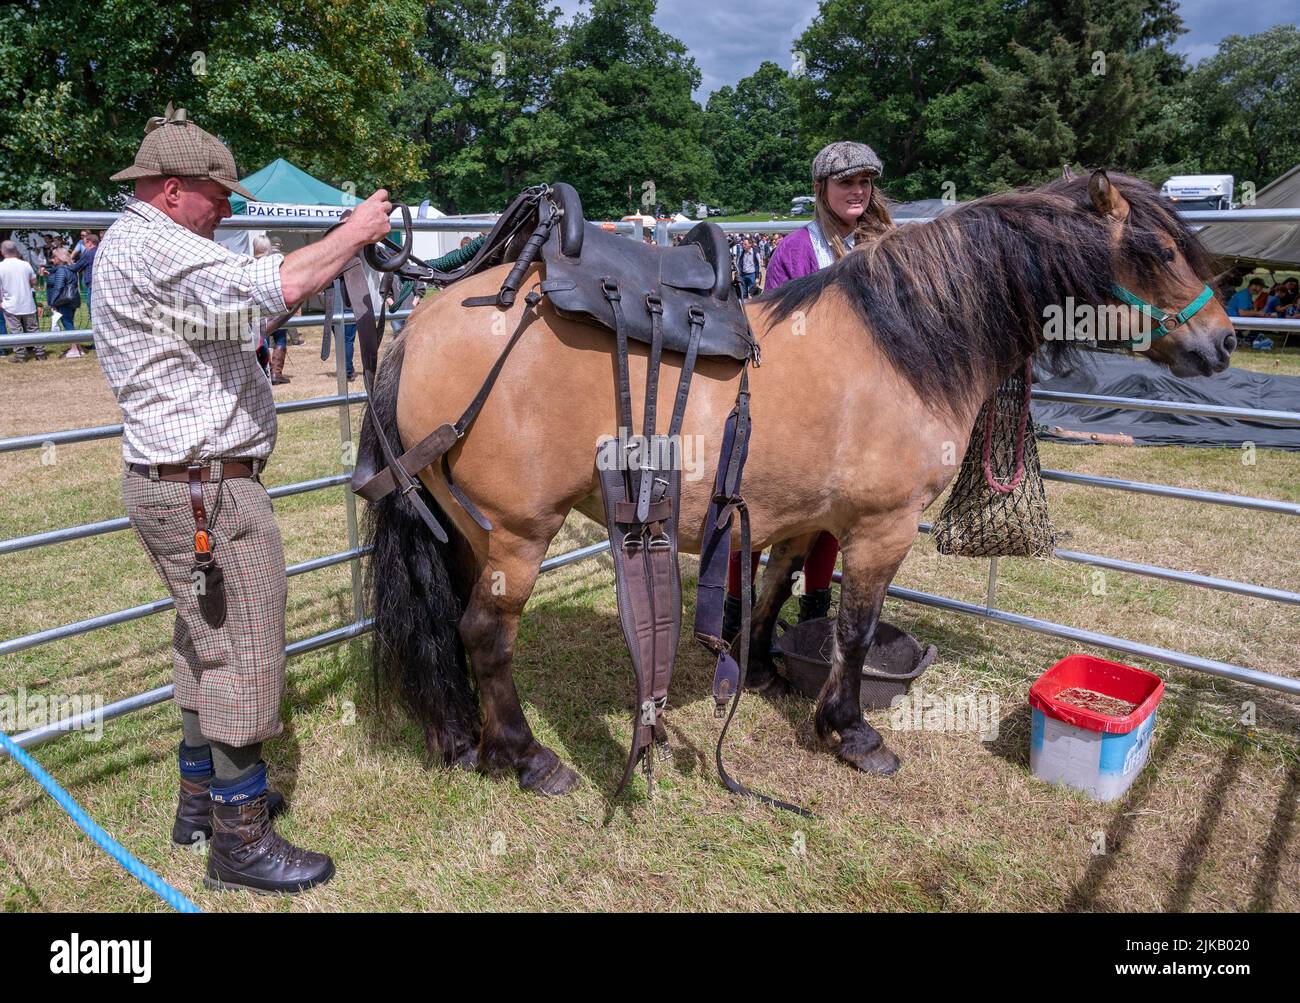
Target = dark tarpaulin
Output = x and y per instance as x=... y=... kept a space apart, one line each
x=1115 y=375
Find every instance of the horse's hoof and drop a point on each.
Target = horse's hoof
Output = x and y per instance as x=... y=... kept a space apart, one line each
x=559 y=781
x=879 y=761
x=770 y=684
x=467 y=760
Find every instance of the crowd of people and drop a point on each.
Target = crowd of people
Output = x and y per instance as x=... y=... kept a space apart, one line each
x=45 y=263
x=750 y=254
x=1259 y=299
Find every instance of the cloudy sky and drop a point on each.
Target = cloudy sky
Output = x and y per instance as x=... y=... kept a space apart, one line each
x=729 y=42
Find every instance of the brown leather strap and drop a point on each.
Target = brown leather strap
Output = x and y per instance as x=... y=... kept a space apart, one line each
x=181 y=472
x=202 y=541
x=369 y=332
x=437 y=443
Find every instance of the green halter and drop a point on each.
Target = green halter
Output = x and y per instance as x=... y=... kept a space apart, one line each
x=1165 y=323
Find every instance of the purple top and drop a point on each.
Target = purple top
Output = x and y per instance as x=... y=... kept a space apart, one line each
x=793 y=258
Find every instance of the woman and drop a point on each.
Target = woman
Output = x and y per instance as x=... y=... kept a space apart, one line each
x=849 y=209
x=63 y=294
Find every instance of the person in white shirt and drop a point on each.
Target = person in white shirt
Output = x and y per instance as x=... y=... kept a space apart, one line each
x=17 y=299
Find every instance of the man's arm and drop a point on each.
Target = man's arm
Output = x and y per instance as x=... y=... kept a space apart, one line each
x=310 y=269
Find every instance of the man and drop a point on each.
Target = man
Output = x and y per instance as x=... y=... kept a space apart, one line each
x=748 y=265
x=84 y=268
x=1244 y=303
x=176 y=320
x=17 y=299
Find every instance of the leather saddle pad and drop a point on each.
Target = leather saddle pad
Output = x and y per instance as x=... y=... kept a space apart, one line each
x=696 y=272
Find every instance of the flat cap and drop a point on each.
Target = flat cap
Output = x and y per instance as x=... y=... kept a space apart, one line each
x=845 y=159
x=174 y=146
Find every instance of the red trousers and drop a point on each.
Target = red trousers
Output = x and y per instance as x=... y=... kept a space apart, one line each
x=818 y=566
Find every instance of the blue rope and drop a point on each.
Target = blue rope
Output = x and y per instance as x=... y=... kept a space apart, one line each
x=88 y=825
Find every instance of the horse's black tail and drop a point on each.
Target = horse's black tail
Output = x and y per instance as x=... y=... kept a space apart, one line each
x=417 y=589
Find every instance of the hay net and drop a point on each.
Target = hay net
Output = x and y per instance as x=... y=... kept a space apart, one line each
x=997 y=507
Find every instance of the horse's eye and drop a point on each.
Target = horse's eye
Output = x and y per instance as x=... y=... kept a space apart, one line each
x=1167 y=255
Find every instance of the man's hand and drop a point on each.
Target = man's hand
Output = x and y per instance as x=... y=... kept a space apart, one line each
x=370 y=220
x=311 y=268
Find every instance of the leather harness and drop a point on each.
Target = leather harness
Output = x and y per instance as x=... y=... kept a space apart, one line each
x=675 y=299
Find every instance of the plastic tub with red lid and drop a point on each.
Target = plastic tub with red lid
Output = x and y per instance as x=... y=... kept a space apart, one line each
x=1092 y=751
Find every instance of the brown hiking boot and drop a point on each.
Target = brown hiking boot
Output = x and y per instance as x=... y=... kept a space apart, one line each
x=247 y=853
x=277 y=366
x=194 y=811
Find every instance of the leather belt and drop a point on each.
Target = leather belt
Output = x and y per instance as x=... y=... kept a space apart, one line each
x=181 y=472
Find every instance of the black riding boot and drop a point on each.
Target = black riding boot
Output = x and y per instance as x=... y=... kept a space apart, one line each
x=730 y=617
x=815 y=604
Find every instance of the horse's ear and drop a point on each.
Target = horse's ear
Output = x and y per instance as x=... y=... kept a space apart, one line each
x=1066 y=173
x=1106 y=198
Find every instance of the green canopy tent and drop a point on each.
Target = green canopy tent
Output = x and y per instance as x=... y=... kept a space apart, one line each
x=281 y=183
x=284 y=191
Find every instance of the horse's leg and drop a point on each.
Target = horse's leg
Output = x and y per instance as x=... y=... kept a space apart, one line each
x=488 y=629
x=870 y=562
x=778 y=583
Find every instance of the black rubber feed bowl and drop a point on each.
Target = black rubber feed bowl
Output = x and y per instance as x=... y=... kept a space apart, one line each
x=894 y=659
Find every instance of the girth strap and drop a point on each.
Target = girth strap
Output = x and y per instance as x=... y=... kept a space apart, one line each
x=641 y=497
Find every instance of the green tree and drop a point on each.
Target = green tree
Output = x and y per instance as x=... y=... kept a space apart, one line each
x=271 y=77
x=1242 y=105
x=903 y=78
x=753 y=134
x=960 y=97
x=475 y=106
x=621 y=118
x=1086 y=82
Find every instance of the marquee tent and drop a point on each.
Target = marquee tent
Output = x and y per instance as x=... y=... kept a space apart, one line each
x=1266 y=245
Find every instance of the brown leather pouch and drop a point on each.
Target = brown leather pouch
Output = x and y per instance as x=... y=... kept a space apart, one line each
x=210 y=586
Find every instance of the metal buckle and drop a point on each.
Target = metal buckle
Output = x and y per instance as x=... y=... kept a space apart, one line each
x=631 y=543
x=660 y=541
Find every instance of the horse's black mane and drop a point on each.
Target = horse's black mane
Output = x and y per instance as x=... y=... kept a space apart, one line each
x=962 y=297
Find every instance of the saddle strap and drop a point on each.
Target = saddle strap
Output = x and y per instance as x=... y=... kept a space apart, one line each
x=327 y=329
x=648 y=592
x=497 y=241
x=439 y=442
x=369 y=333
x=688 y=370
x=624 y=389
x=736 y=504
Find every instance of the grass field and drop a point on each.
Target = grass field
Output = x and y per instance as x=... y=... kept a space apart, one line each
x=1210 y=824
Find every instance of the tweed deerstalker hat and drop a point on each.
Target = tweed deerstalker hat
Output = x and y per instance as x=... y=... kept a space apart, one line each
x=174 y=146
x=845 y=159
